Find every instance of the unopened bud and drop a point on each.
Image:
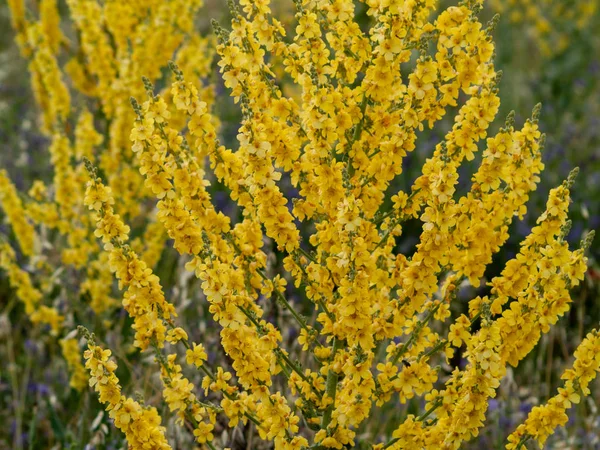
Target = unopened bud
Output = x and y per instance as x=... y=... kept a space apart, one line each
x=571 y=178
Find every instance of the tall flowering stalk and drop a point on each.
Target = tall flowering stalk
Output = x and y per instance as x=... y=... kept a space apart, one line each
x=141 y=425
x=331 y=110
x=105 y=76
x=543 y=420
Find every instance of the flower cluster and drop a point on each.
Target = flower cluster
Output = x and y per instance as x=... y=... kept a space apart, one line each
x=319 y=317
x=13 y=208
x=543 y=420
x=27 y=293
x=141 y=425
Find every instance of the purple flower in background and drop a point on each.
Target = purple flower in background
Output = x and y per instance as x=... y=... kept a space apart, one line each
x=505 y=422
x=523 y=229
x=576 y=232
x=221 y=200
x=525 y=407
x=493 y=405
x=211 y=356
x=31 y=346
x=571 y=413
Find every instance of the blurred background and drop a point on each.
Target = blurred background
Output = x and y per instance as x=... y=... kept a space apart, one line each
x=549 y=52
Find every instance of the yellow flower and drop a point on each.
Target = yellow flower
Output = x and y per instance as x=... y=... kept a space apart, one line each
x=176 y=334
x=203 y=432
x=196 y=355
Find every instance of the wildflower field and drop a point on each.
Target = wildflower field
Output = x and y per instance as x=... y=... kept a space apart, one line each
x=299 y=224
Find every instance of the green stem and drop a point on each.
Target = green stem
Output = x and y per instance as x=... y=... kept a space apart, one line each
x=331 y=386
x=421 y=418
x=280 y=353
x=359 y=127
x=289 y=307
x=440 y=345
x=383 y=239
x=305 y=253
x=393 y=211
x=522 y=441
x=392 y=442
x=385 y=216
x=430 y=411
x=294 y=367
x=413 y=336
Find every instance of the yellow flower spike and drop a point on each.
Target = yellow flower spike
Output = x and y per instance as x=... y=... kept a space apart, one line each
x=50 y=20
x=144 y=300
x=100 y=59
x=13 y=208
x=141 y=425
x=72 y=355
x=51 y=91
x=510 y=337
x=544 y=419
x=26 y=292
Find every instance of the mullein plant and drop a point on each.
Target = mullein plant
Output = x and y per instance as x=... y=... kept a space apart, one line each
x=382 y=321
x=84 y=106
